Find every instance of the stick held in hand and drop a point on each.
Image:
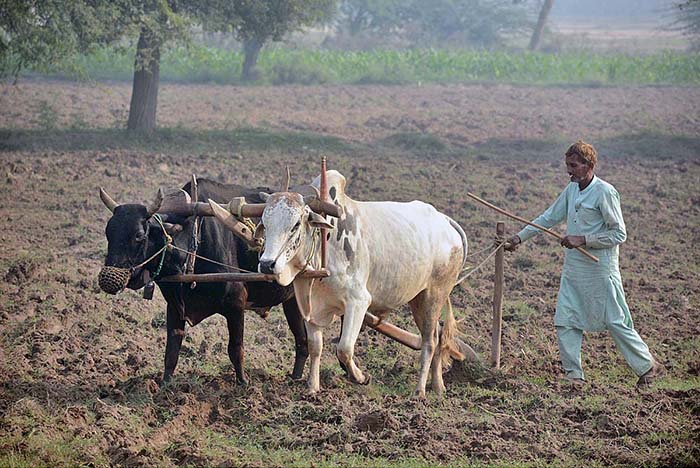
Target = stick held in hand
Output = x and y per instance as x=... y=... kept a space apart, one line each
x=523 y=220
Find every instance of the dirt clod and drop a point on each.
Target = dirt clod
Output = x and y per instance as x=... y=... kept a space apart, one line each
x=376 y=421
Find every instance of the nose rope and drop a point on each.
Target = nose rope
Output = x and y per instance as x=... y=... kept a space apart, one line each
x=210 y=260
x=314 y=246
x=168 y=241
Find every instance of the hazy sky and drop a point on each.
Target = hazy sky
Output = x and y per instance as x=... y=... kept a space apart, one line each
x=611 y=8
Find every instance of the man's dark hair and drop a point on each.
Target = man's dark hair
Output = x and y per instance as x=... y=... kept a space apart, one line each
x=583 y=150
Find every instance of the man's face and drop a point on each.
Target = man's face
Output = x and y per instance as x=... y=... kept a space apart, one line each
x=578 y=169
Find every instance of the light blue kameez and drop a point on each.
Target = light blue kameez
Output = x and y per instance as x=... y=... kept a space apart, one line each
x=591 y=297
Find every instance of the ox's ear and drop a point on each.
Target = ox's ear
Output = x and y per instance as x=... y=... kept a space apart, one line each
x=259 y=231
x=318 y=221
x=173 y=229
x=264 y=196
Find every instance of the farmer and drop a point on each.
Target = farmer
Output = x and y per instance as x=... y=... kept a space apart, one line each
x=590 y=295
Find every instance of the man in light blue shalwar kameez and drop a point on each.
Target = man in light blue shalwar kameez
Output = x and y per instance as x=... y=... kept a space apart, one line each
x=590 y=297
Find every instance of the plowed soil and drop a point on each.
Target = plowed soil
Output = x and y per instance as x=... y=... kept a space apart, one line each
x=80 y=370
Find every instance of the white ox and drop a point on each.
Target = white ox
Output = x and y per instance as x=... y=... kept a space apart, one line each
x=381 y=255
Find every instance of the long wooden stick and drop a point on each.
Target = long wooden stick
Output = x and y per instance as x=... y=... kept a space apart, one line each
x=496 y=324
x=523 y=220
x=324 y=198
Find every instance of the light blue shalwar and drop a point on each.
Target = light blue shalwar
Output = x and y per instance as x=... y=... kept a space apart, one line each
x=591 y=297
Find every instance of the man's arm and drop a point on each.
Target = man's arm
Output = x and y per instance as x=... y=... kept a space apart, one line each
x=552 y=216
x=616 y=232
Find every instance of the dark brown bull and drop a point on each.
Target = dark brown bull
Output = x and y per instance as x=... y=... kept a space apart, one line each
x=134 y=235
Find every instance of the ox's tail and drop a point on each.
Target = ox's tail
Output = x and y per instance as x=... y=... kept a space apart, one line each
x=449 y=348
x=465 y=246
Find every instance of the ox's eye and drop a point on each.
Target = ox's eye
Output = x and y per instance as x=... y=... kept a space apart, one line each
x=296 y=226
x=138 y=238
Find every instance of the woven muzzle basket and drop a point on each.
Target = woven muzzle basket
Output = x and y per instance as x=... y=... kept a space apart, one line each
x=113 y=279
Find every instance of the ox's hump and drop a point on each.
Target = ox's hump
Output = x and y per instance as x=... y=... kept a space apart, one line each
x=336 y=184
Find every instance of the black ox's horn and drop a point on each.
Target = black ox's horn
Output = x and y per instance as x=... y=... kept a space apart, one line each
x=155 y=204
x=107 y=200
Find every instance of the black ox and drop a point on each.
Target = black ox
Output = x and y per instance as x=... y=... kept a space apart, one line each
x=134 y=235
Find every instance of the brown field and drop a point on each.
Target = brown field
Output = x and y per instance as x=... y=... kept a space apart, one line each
x=80 y=370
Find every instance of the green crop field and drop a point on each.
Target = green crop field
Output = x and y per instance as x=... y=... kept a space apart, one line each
x=278 y=65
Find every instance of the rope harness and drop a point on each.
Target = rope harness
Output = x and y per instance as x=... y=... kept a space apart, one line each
x=498 y=243
x=315 y=238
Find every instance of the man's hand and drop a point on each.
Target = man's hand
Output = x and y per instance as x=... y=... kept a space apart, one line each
x=571 y=242
x=512 y=244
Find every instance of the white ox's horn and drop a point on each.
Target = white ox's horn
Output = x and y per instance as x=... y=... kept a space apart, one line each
x=157 y=201
x=107 y=200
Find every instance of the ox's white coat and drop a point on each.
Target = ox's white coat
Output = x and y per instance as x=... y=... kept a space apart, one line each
x=381 y=255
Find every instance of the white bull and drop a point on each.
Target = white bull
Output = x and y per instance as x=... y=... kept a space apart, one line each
x=381 y=255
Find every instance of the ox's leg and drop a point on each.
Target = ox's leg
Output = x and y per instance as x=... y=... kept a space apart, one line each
x=235 y=322
x=176 y=331
x=342 y=366
x=296 y=325
x=236 y=297
x=315 y=335
x=352 y=324
x=437 y=384
x=426 y=315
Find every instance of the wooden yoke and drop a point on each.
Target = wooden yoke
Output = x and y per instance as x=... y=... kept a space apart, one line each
x=180 y=204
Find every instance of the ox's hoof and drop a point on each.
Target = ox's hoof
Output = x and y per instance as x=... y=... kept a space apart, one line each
x=418 y=395
x=367 y=380
x=439 y=390
x=298 y=370
x=242 y=381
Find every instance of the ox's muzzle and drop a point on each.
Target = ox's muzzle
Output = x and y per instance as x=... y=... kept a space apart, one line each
x=267 y=266
x=113 y=280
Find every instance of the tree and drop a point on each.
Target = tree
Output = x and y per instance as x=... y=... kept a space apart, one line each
x=541 y=21
x=373 y=16
x=256 y=22
x=40 y=33
x=158 y=22
x=688 y=19
x=482 y=23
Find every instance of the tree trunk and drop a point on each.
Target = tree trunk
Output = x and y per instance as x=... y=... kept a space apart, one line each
x=144 y=95
x=541 y=21
x=251 y=49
